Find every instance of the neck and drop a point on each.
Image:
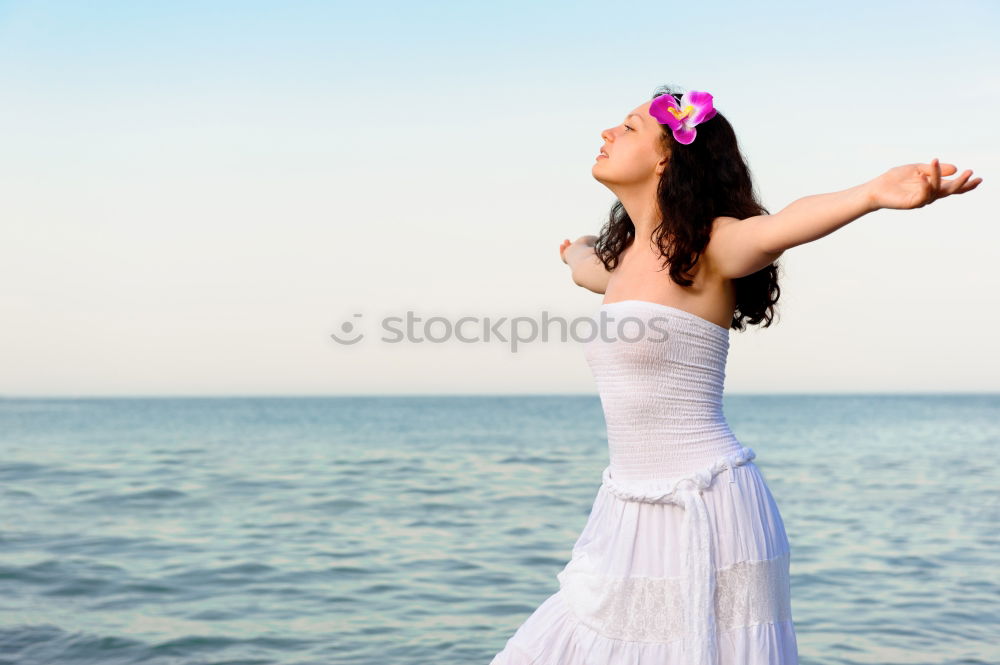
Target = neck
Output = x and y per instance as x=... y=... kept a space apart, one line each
x=642 y=208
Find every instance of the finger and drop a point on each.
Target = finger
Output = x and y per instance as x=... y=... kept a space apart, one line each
x=970 y=186
x=955 y=184
x=951 y=186
x=928 y=168
x=932 y=179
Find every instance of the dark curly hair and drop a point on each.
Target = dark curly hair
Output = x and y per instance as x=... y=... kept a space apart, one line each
x=704 y=180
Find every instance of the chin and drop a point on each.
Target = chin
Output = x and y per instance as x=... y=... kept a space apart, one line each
x=599 y=178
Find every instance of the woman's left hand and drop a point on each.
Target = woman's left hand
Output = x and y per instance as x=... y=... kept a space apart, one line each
x=916 y=185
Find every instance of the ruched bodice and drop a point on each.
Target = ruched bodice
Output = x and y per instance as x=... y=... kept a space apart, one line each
x=660 y=373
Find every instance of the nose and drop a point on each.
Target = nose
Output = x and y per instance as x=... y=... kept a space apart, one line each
x=606 y=135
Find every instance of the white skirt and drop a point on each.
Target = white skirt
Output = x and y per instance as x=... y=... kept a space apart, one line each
x=686 y=571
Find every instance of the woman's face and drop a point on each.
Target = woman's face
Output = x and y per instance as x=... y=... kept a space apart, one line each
x=634 y=150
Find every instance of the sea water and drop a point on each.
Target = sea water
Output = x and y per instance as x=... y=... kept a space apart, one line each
x=412 y=530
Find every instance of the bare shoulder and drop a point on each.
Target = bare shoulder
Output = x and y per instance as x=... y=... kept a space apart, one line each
x=734 y=249
x=723 y=221
x=720 y=223
x=717 y=223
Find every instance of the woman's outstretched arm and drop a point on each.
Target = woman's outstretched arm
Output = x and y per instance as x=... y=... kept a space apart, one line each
x=740 y=247
x=587 y=270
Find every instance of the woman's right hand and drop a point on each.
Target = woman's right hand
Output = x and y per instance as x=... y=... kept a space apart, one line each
x=562 y=250
x=582 y=241
x=587 y=269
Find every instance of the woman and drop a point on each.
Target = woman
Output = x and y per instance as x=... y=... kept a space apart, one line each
x=684 y=558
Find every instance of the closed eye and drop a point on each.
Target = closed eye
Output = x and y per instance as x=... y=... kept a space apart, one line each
x=627 y=127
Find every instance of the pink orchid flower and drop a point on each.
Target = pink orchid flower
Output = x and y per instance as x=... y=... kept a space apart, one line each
x=695 y=108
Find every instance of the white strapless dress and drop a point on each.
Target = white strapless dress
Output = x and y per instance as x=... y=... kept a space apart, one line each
x=684 y=558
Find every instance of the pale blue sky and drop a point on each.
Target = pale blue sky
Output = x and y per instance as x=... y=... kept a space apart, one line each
x=195 y=195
